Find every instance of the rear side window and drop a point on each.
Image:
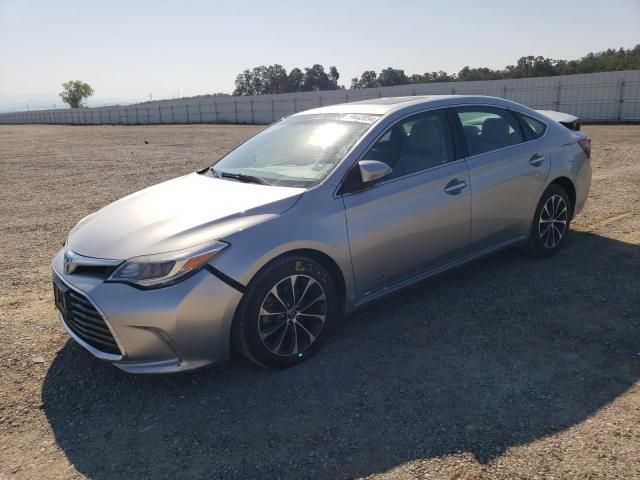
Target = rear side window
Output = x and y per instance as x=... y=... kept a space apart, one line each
x=536 y=127
x=489 y=128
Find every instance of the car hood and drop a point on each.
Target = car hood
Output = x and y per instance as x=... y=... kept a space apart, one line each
x=177 y=214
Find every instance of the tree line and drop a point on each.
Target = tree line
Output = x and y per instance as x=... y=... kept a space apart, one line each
x=264 y=80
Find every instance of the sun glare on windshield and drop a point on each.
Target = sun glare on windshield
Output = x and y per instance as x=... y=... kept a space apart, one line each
x=327 y=134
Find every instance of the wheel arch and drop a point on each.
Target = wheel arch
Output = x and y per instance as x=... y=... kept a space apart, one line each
x=327 y=262
x=322 y=258
x=569 y=187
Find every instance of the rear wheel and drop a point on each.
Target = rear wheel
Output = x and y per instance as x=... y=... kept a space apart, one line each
x=550 y=223
x=287 y=312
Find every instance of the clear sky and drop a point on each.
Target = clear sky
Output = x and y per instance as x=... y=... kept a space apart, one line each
x=129 y=49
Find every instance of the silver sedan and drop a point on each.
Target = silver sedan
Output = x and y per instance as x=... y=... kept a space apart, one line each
x=317 y=215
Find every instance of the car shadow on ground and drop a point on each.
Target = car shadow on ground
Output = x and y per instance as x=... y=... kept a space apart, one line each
x=496 y=354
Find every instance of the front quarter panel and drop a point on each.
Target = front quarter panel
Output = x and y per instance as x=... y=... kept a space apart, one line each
x=317 y=222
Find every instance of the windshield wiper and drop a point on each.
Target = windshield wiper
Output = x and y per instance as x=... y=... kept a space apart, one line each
x=239 y=176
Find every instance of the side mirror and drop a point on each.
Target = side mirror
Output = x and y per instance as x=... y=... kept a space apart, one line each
x=372 y=170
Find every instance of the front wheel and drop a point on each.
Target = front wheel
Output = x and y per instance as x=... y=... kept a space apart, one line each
x=550 y=223
x=286 y=313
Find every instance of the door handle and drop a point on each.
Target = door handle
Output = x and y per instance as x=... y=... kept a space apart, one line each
x=454 y=186
x=537 y=160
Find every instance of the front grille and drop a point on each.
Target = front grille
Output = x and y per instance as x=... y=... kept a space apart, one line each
x=97 y=271
x=86 y=322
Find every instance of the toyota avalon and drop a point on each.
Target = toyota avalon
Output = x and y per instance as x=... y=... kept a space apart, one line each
x=317 y=215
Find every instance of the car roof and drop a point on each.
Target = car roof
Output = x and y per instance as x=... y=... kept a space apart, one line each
x=385 y=105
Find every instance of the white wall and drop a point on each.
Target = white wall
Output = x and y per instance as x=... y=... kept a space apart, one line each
x=607 y=96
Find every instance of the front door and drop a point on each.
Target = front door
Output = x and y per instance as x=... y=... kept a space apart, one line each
x=416 y=218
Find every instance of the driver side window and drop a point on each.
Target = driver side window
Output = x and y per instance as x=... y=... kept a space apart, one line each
x=416 y=143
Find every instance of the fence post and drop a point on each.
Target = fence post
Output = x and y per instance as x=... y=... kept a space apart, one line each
x=199 y=112
x=620 y=101
x=171 y=110
x=504 y=91
x=556 y=103
x=215 y=111
x=251 y=105
x=159 y=114
x=235 y=109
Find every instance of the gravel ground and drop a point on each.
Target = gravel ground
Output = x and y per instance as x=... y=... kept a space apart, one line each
x=508 y=368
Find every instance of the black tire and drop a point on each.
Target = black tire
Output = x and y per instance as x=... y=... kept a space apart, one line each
x=540 y=244
x=250 y=328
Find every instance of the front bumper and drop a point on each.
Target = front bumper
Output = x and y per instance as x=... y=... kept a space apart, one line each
x=180 y=327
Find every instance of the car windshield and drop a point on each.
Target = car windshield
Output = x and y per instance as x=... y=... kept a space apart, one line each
x=299 y=151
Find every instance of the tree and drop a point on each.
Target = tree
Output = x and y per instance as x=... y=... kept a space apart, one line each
x=315 y=79
x=75 y=93
x=366 y=80
x=244 y=83
x=295 y=80
x=468 y=74
x=334 y=75
x=275 y=79
x=391 y=76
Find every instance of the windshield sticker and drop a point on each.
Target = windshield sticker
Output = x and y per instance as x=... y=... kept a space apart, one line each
x=360 y=117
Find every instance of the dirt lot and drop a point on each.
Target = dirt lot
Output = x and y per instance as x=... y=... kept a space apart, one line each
x=508 y=368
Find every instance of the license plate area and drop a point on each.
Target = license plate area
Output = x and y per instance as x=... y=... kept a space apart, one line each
x=60 y=297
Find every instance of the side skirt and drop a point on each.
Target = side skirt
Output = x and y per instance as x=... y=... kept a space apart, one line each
x=437 y=270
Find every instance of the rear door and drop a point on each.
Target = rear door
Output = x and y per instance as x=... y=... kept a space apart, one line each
x=418 y=217
x=507 y=167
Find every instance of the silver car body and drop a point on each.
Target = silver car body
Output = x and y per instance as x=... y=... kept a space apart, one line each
x=373 y=242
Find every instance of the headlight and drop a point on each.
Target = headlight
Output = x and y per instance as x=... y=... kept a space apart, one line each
x=158 y=270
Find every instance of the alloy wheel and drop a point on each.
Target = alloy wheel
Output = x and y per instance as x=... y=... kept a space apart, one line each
x=552 y=225
x=292 y=315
